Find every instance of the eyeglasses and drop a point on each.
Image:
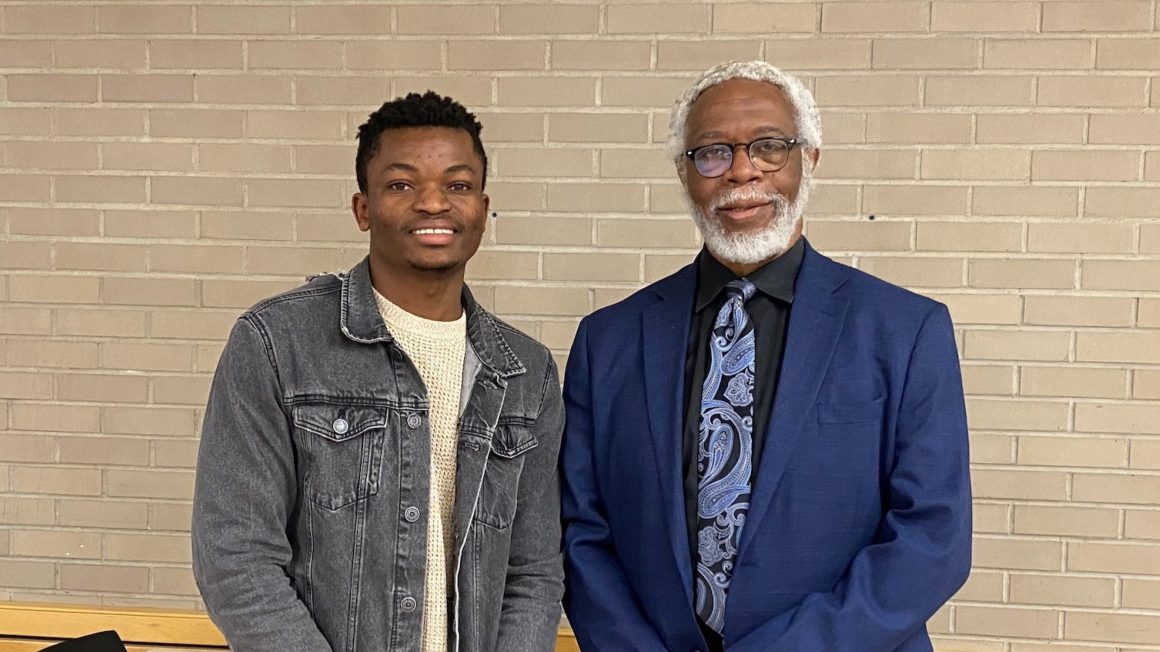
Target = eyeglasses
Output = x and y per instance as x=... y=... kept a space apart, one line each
x=766 y=154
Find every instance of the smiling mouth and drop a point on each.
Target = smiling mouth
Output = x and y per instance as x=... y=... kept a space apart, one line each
x=433 y=232
x=743 y=212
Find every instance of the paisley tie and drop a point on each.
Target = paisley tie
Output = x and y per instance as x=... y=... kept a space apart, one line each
x=724 y=452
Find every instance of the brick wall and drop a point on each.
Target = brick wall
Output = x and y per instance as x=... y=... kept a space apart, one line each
x=164 y=165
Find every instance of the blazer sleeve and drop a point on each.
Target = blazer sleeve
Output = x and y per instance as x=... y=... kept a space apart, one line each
x=600 y=604
x=922 y=553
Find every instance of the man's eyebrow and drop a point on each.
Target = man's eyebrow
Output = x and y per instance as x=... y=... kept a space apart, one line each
x=401 y=166
x=462 y=167
x=764 y=129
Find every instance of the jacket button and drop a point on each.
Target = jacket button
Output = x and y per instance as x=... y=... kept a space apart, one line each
x=411 y=514
x=407 y=604
x=413 y=420
x=340 y=426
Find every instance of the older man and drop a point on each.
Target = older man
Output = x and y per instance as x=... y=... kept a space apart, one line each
x=767 y=450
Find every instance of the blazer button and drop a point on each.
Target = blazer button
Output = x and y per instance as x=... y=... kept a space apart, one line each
x=411 y=514
x=407 y=604
x=413 y=420
x=340 y=426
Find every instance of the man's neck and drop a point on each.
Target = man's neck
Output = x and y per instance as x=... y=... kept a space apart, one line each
x=434 y=295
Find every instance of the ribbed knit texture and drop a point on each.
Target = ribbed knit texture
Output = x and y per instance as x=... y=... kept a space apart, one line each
x=437 y=349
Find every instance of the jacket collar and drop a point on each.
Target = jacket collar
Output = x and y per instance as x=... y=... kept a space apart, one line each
x=361 y=322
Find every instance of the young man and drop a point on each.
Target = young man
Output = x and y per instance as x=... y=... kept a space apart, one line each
x=378 y=460
x=766 y=451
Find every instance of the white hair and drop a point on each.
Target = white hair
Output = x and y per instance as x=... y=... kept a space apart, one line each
x=806 y=117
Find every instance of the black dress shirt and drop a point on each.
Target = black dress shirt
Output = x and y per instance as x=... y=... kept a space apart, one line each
x=768 y=310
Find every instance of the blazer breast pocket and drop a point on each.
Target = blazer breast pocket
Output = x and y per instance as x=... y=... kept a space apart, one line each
x=839 y=412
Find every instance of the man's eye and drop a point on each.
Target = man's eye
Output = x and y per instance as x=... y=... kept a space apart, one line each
x=460 y=187
x=397 y=186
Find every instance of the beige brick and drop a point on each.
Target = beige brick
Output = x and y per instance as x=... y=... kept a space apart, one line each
x=138 y=19
x=25 y=321
x=149 y=484
x=195 y=54
x=877 y=90
x=1062 y=590
x=1138 y=347
x=975 y=164
x=1121 y=202
x=1150 y=237
x=1021 y=273
x=349 y=91
x=496 y=55
x=547 y=91
x=600 y=55
x=860 y=236
x=1093 y=91
x=1006 y=621
x=1120 y=418
x=603 y=197
x=1017 y=345
x=177 y=581
x=244 y=158
x=992 y=449
x=1127 y=54
x=1039 y=54
x=32 y=19
x=1140 y=525
x=1141 y=593
x=551 y=301
x=56 y=543
x=1074 y=451
x=48 y=353
x=470 y=90
x=297 y=55
x=21 y=574
x=543 y=230
x=1089 y=382
x=699 y=55
x=965 y=236
x=658 y=19
x=878 y=17
x=203 y=259
x=541 y=162
x=27 y=511
x=844 y=128
x=138 y=356
x=104 y=53
x=1078 y=311
x=1085 y=165
x=151 y=224
x=19 y=385
x=321 y=193
x=592 y=267
x=1114 y=558
x=99 y=122
x=354 y=19
x=1145 y=454
x=149 y=291
x=297 y=261
x=196 y=123
x=545 y=19
x=56 y=480
x=191 y=324
x=52 y=88
x=249 y=225
x=1149 y=312
x=1146 y=383
x=148 y=547
x=101 y=189
x=55 y=221
x=961 y=16
x=597 y=127
x=103 y=513
x=199 y=191
x=181 y=390
x=175 y=453
x=1121 y=275
x=1017 y=554
x=24 y=122
x=240 y=294
x=163 y=516
x=634 y=233
x=27 y=448
x=20 y=187
x=635 y=163
x=927 y=54
x=213 y=19
x=147 y=88
x=1019 y=485
x=25 y=255
x=461 y=19
x=243 y=89
x=982 y=586
x=1103 y=16
x=147 y=156
x=1007 y=201
x=988 y=379
x=1120 y=129
x=114 y=579
x=31 y=155
x=329 y=228
x=863 y=163
x=916 y=128
x=102 y=388
x=1106 y=488
x=670 y=198
x=371 y=55
x=970 y=90
x=54 y=289
x=311 y=159
x=1005 y=129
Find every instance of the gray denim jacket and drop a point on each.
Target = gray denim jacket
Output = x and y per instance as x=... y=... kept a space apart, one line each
x=310 y=507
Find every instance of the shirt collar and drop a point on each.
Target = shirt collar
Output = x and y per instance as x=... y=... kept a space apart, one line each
x=775 y=279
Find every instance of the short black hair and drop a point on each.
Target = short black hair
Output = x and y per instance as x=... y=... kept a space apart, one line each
x=427 y=110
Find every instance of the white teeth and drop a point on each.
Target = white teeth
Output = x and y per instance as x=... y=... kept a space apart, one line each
x=433 y=232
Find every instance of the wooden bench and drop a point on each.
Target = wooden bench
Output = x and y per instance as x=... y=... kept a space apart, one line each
x=32 y=627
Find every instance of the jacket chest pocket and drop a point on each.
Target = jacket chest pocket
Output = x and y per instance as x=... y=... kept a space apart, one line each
x=497 y=499
x=340 y=451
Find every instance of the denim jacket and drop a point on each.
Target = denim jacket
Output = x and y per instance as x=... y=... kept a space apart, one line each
x=310 y=507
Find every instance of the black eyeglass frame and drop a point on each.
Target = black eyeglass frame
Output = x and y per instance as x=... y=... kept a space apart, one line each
x=790 y=145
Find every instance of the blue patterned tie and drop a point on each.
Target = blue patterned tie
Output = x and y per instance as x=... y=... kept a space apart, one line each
x=724 y=452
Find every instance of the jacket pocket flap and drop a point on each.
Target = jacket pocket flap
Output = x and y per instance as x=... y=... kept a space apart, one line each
x=513 y=439
x=337 y=422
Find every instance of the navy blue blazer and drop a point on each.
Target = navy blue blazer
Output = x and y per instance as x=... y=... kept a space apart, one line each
x=860 y=518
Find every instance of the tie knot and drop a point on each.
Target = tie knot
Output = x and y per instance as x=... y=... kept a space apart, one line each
x=742 y=288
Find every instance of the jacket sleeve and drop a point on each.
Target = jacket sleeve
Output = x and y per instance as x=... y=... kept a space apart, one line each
x=922 y=552
x=530 y=614
x=601 y=606
x=245 y=491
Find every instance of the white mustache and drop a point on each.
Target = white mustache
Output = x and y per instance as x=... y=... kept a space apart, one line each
x=746 y=194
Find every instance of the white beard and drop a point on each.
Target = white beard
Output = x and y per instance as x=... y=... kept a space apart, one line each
x=752 y=247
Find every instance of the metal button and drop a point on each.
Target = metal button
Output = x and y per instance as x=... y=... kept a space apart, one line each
x=340 y=426
x=413 y=420
x=411 y=514
x=407 y=604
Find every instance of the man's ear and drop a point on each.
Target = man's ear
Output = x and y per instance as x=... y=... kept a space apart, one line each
x=813 y=155
x=358 y=206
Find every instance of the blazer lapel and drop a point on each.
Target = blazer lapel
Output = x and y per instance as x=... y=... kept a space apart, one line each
x=815 y=322
x=665 y=333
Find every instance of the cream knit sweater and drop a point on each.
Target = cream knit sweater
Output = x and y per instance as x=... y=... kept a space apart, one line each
x=437 y=349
